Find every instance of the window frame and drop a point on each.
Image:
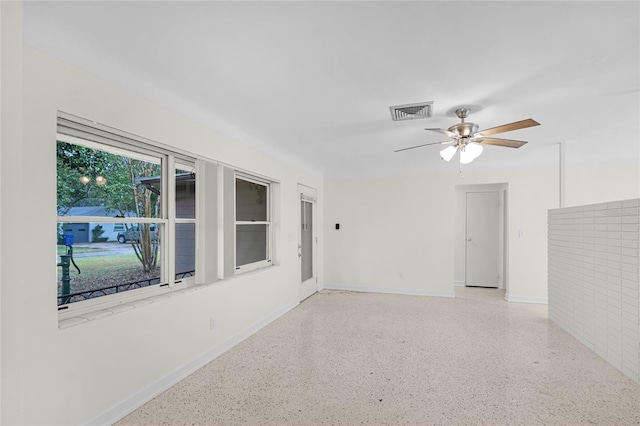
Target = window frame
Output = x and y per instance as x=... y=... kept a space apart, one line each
x=215 y=240
x=239 y=269
x=166 y=220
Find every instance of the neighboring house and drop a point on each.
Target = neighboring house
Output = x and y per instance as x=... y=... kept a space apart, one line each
x=185 y=208
x=82 y=231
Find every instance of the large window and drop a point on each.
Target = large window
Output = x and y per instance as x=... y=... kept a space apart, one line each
x=253 y=223
x=136 y=219
x=126 y=214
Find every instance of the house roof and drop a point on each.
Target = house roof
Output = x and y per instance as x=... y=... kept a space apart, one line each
x=180 y=177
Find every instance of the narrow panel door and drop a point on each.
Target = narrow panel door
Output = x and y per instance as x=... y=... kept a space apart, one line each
x=306 y=245
x=482 y=239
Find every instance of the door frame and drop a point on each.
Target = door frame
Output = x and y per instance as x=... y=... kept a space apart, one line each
x=310 y=286
x=499 y=237
x=460 y=230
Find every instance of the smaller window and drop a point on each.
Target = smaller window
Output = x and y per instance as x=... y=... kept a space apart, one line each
x=253 y=223
x=185 y=231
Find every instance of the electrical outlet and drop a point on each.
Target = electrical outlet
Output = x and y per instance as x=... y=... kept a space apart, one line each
x=212 y=324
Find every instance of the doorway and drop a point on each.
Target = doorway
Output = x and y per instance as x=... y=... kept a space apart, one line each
x=477 y=209
x=307 y=242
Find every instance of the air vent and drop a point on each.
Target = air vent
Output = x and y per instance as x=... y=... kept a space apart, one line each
x=411 y=111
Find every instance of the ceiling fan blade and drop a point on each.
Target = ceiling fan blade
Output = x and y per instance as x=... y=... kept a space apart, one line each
x=444 y=132
x=529 y=122
x=509 y=143
x=424 y=144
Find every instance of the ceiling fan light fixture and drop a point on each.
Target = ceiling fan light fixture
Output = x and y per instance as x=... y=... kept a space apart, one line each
x=466 y=157
x=474 y=149
x=448 y=153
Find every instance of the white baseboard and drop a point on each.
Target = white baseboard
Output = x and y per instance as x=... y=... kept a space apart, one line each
x=526 y=299
x=403 y=291
x=149 y=392
x=458 y=283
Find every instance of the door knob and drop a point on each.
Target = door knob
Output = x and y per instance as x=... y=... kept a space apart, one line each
x=469 y=239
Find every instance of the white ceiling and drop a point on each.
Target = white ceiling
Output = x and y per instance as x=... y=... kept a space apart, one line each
x=312 y=82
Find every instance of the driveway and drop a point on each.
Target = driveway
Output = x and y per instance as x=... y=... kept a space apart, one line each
x=102 y=249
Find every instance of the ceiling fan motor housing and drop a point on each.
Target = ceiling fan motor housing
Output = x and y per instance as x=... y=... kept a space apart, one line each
x=464 y=129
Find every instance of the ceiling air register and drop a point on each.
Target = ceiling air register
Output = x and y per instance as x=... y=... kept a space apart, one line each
x=411 y=111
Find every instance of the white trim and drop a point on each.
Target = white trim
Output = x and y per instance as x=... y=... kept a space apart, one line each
x=183 y=154
x=402 y=291
x=141 y=397
x=458 y=283
x=526 y=299
x=70 y=313
x=220 y=212
x=168 y=181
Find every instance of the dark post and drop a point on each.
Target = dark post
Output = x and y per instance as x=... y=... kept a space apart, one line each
x=65 y=263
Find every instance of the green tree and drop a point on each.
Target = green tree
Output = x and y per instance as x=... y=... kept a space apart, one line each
x=96 y=234
x=89 y=177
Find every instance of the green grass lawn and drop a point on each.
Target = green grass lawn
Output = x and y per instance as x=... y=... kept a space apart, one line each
x=101 y=266
x=104 y=271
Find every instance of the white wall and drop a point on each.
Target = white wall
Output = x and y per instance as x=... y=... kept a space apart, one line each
x=593 y=279
x=590 y=174
x=11 y=206
x=70 y=376
x=601 y=184
x=395 y=235
x=406 y=225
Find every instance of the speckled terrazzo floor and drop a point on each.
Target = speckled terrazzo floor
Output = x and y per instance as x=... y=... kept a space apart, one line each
x=343 y=358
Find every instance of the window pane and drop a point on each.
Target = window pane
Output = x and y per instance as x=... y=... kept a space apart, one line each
x=185 y=194
x=185 y=250
x=251 y=243
x=108 y=267
x=251 y=201
x=306 y=239
x=92 y=182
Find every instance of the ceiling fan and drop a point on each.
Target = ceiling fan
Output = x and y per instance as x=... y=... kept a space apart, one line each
x=466 y=138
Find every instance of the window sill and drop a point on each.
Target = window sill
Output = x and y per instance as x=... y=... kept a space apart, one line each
x=82 y=316
x=253 y=267
x=68 y=319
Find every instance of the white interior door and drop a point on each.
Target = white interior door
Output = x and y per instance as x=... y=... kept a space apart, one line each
x=307 y=242
x=483 y=239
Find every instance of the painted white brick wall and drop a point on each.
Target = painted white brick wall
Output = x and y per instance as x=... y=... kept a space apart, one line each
x=593 y=279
